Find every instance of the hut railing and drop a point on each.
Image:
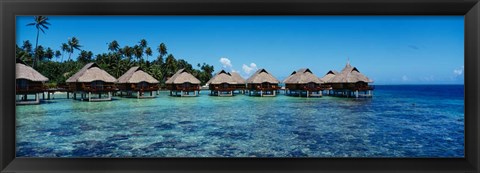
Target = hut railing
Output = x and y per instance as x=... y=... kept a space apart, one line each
x=145 y=88
x=221 y=88
x=356 y=88
x=365 y=88
x=190 y=88
x=267 y=88
x=102 y=88
x=315 y=88
x=240 y=86
x=31 y=88
x=325 y=87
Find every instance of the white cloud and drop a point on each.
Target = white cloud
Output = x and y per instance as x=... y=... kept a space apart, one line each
x=249 y=69
x=404 y=78
x=459 y=71
x=429 y=78
x=226 y=62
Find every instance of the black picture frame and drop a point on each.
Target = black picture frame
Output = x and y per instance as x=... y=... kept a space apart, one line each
x=9 y=9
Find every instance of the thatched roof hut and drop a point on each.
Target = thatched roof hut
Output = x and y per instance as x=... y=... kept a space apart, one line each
x=239 y=79
x=136 y=75
x=262 y=76
x=182 y=76
x=302 y=76
x=26 y=72
x=91 y=72
x=222 y=77
x=330 y=74
x=350 y=74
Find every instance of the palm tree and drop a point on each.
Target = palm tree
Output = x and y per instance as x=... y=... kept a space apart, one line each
x=127 y=51
x=65 y=48
x=49 y=53
x=113 y=46
x=148 y=52
x=162 y=49
x=143 y=43
x=58 y=54
x=40 y=23
x=85 y=56
x=27 y=46
x=170 y=65
x=73 y=44
x=138 y=52
x=40 y=52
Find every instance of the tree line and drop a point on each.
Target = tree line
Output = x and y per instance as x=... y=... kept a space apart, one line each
x=116 y=61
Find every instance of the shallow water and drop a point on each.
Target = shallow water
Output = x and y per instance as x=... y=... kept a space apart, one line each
x=399 y=121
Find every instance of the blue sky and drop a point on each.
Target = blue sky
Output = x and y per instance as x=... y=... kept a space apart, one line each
x=388 y=49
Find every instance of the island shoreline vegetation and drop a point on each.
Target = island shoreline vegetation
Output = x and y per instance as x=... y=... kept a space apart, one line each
x=116 y=61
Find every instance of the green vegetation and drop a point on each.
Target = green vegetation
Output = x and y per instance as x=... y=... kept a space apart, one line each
x=41 y=23
x=116 y=62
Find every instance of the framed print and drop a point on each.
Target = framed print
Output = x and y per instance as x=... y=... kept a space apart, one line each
x=239 y=86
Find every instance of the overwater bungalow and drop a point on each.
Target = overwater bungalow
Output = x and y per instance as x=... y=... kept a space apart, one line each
x=29 y=82
x=350 y=83
x=183 y=83
x=303 y=83
x=222 y=84
x=91 y=81
x=328 y=88
x=262 y=83
x=241 y=82
x=136 y=81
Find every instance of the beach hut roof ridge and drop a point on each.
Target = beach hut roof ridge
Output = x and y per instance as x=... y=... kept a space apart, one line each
x=329 y=76
x=261 y=76
x=91 y=72
x=349 y=74
x=222 y=77
x=182 y=76
x=136 y=75
x=302 y=76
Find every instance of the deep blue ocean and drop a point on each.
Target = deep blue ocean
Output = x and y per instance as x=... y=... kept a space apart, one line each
x=399 y=121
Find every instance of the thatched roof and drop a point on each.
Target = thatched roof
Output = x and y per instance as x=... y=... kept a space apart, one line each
x=222 y=77
x=330 y=74
x=350 y=74
x=261 y=76
x=182 y=76
x=26 y=72
x=91 y=72
x=302 y=76
x=239 y=79
x=136 y=75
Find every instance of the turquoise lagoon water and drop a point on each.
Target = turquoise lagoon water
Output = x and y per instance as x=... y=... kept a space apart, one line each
x=399 y=121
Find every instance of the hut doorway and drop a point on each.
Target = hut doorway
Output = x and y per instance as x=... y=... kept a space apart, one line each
x=97 y=85
x=142 y=85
